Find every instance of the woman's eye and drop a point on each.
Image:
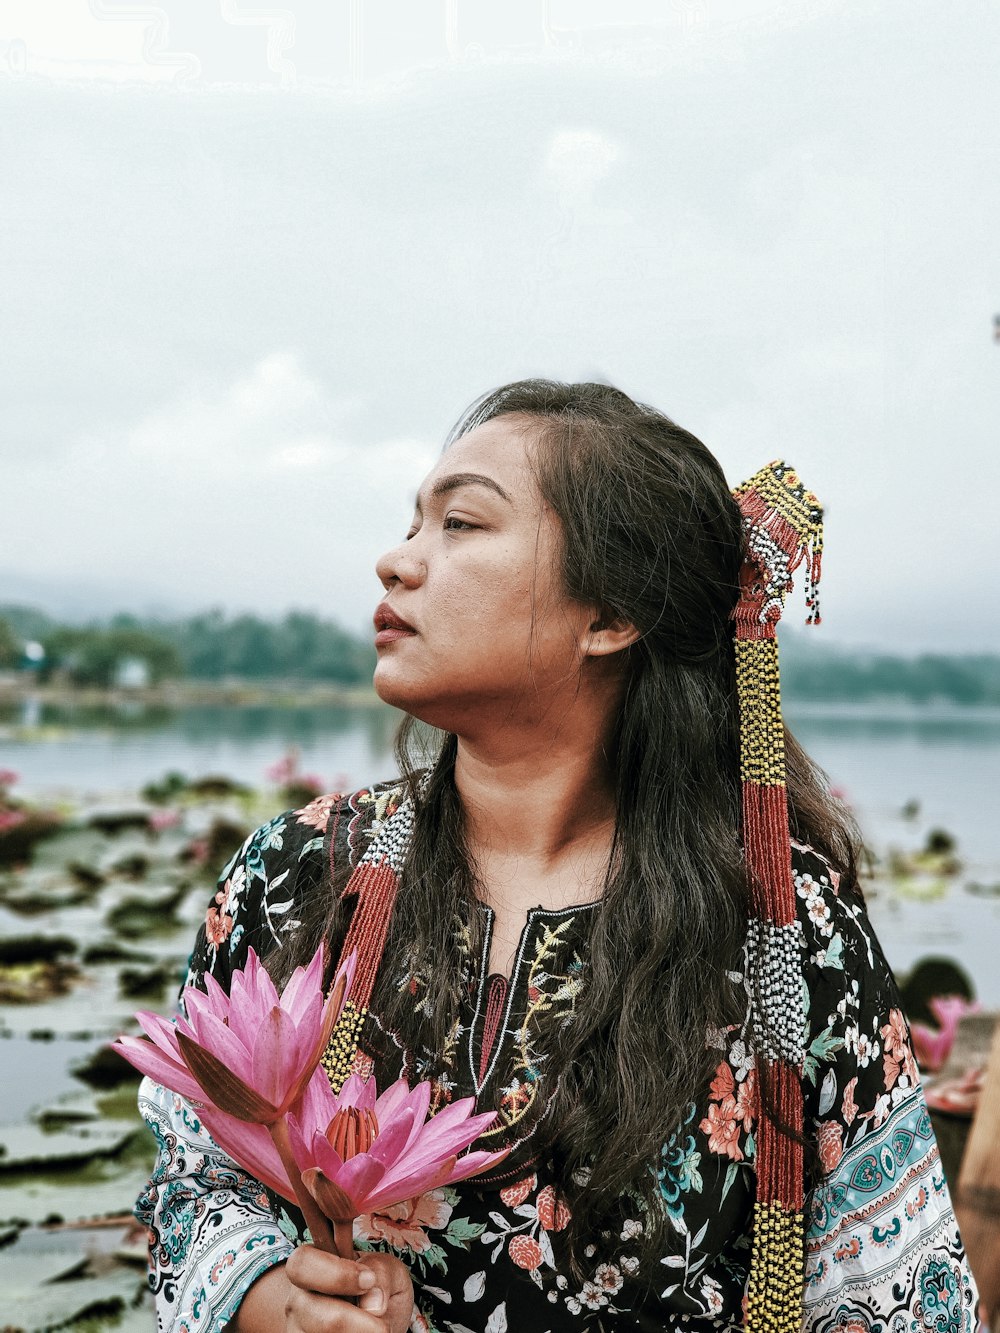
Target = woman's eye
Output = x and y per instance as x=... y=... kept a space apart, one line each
x=452 y=524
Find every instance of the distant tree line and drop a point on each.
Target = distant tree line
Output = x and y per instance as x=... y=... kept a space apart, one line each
x=837 y=675
x=303 y=646
x=209 y=646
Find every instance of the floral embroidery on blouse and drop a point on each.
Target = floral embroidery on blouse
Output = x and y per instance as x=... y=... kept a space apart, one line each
x=883 y=1253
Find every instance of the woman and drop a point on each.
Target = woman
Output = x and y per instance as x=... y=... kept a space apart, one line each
x=566 y=937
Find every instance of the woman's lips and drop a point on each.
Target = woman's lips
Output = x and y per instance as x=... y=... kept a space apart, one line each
x=389 y=626
x=386 y=636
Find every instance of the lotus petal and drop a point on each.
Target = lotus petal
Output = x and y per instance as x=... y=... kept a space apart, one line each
x=390 y=1142
x=418 y=1102
x=408 y=1156
x=312 y=1148
x=212 y=1034
x=471 y=1163
x=222 y=1087
x=317 y=1104
x=336 y=1205
x=276 y=1057
x=216 y=997
x=150 y=1059
x=450 y=1131
x=304 y=985
x=357 y=1092
x=359 y=1176
x=251 y=1146
x=250 y=1053
x=397 y=1186
x=159 y=1030
x=388 y=1102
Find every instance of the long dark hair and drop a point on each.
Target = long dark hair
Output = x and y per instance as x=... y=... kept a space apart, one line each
x=651 y=533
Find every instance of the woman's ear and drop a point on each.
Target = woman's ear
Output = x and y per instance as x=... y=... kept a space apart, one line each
x=609 y=633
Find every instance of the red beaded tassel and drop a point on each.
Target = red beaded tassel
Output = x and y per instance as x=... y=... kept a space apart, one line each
x=782 y=524
x=375 y=883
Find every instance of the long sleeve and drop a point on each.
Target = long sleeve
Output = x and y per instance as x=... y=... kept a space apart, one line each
x=212 y=1231
x=883 y=1251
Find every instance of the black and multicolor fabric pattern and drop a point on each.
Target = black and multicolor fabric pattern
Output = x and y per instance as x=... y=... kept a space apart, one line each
x=882 y=1250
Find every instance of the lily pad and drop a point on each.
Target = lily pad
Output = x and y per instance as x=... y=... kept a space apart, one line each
x=105 y=1068
x=22 y=830
x=32 y=983
x=72 y=844
x=111 y=821
x=63 y=1305
x=31 y=892
x=101 y=1187
x=37 y=1074
x=29 y=1148
x=146 y=983
x=35 y=948
x=136 y=917
x=110 y=951
x=85 y=875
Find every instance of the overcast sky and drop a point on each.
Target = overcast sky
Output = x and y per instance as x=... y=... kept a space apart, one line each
x=253 y=268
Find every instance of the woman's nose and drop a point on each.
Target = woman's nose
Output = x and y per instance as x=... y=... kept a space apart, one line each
x=400 y=565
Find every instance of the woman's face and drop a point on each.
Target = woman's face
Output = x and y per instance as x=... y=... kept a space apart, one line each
x=491 y=635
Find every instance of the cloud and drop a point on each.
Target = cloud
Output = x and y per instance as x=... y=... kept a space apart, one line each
x=577 y=161
x=251 y=494
x=274 y=414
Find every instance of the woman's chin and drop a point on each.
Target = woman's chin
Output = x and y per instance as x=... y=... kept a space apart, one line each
x=421 y=701
x=397 y=688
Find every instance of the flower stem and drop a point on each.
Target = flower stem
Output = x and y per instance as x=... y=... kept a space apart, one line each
x=343 y=1239
x=319 y=1225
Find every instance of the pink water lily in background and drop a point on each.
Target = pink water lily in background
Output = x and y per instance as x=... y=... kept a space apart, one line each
x=249 y=1053
x=933 y=1046
x=359 y=1152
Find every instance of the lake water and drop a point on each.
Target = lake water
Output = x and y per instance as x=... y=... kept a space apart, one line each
x=946 y=762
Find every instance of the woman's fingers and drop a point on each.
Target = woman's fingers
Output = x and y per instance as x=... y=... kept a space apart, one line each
x=324 y=1286
x=315 y=1270
x=392 y=1295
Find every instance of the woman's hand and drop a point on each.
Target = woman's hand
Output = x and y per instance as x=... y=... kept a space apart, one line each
x=314 y=1292
x=319 y=1283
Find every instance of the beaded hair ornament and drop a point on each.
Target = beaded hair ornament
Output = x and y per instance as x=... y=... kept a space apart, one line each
x=783 y=526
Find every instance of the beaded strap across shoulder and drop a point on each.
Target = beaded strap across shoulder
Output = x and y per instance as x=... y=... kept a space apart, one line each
x=375 y=883
x=782 y=527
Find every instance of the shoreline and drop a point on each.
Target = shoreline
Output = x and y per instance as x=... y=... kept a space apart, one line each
x=231 y=693
x=235 y=692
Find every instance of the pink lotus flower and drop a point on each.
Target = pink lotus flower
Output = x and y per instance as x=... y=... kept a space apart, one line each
x=286 y=768
x=244 y=1059
x=363 y=1153
x=163 y=819
x=248 y=1053
x=933 y=1046
x=250 y=1061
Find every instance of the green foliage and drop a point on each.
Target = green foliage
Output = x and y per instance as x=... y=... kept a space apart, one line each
x=300 y=646
x=208 y=646
x=27 y=622
x=94 y=656
x=813 y=672
x=10 y=645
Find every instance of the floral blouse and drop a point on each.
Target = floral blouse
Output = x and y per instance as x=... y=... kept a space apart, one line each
x=883 y=1253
